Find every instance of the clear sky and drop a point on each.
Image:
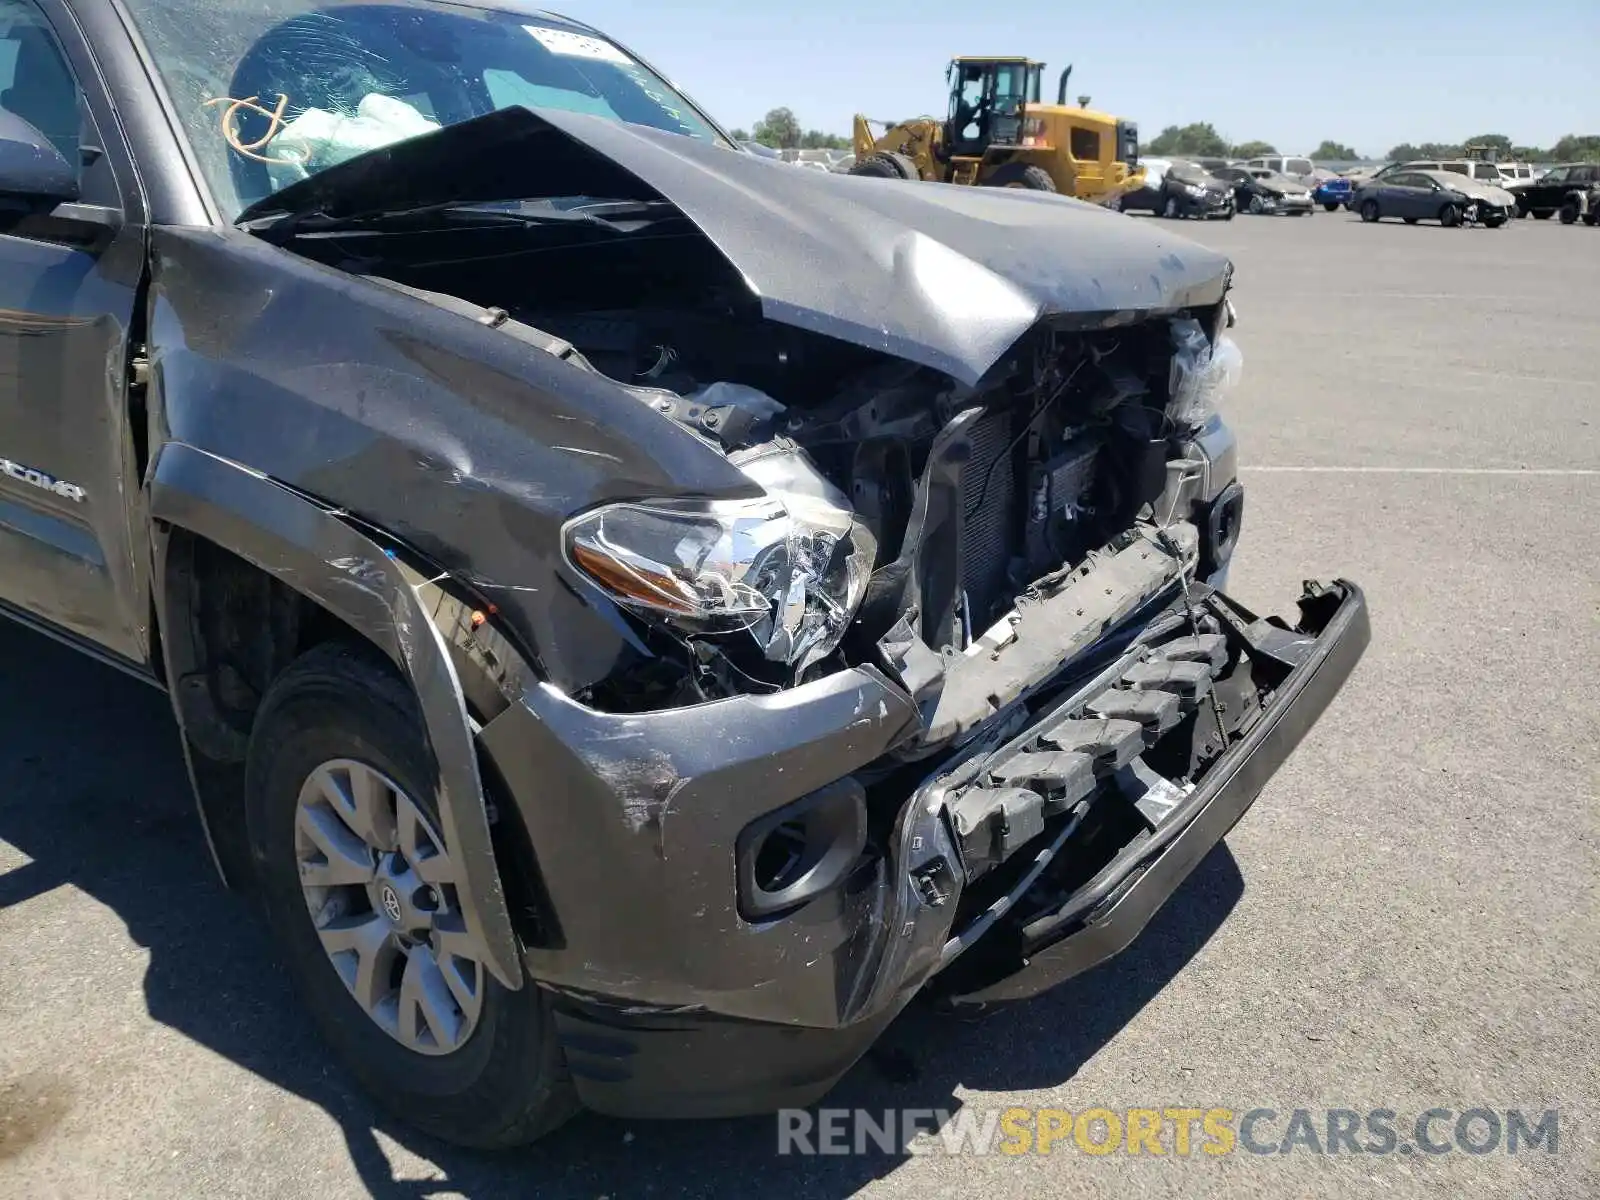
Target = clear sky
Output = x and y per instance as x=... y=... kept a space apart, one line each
x=1367 y=73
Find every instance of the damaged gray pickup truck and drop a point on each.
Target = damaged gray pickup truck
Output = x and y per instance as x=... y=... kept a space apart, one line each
x=636 y=613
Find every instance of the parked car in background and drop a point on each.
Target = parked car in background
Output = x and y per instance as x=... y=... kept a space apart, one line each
x=1334 y=194
x=1213 y=164
x=1512 y=174
x=1293 y=166
x=1188 y=190
x=1261 y=191
x=1556 y=189
x=1356 y=175
x=1442 y=196
x=1148 y=197
x=1472 y=168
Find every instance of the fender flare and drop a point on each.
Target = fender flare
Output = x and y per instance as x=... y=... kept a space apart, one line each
x=309 y=548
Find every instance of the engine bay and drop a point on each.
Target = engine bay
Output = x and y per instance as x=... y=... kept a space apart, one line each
x=961 y=500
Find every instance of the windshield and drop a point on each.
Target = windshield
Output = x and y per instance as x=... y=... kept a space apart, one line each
x=272 y=91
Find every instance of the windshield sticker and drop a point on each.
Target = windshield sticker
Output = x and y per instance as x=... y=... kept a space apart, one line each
x=578 y=45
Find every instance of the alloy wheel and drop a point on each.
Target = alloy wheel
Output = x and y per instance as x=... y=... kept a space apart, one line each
x=380 y=886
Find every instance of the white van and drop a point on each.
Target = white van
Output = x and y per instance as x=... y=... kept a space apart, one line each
x=1298 y=168
x=1472 y=168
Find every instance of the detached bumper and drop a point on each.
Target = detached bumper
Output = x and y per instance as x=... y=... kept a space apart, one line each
x=1108 y=912
x=1209 y=205
x=673 y=1000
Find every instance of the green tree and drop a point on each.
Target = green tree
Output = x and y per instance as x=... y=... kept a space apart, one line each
x=815 y=139
x=1253 y=149
x=739 y=135
x=1332 y=151
x=779 y=129
x=1577 y=148
x=1199 y=139
x=1405 y=151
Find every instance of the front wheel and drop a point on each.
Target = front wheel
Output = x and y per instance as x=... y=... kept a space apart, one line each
x=1494 y=222
x=1569 y=213
x=1449 y=216
x=1541 y=214
x=1330 y=206
x=362 y=891
x=1021 y=175
x=1369 y=211
x=885 y=165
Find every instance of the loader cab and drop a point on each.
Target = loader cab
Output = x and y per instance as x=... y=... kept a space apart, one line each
x=988 y=100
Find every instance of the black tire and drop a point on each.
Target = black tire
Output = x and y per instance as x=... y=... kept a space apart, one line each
x=1369 y=211
x=1021 y=175
x=1541 y=214
x=1494 y=222
x=1449 y=216
x=508 y=1083
x=1569 y=213
x=1591 y=219
x=1409 y=220
x=885 y=165
x=1330 y=205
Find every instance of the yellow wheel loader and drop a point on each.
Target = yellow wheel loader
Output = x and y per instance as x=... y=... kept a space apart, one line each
x=999 y=134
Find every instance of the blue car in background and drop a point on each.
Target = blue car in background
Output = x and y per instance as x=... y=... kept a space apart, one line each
x=1334 y=194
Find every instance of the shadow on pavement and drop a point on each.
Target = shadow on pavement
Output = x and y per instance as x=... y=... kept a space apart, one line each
x=97 y=797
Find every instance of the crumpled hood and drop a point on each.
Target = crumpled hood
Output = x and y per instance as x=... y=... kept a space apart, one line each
x=941 y=275
x=1475 y=189
x=1282 y=185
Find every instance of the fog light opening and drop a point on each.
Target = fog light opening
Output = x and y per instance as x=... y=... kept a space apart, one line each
x=781 y=857
x=1222 y=527
x=801 y=850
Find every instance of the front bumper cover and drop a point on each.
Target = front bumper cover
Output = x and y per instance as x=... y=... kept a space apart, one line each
x=670 y=1003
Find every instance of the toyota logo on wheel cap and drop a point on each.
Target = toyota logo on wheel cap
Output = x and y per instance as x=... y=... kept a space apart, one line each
x=390 y=902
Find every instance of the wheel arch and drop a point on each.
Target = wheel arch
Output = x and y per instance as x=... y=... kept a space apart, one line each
x=319 y=575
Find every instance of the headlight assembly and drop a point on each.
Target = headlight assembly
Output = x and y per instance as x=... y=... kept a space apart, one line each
x=1202 y=373
x=1194 y=189
x=787 y=570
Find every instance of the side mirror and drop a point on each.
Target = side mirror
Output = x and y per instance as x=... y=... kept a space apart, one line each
x=32 y=171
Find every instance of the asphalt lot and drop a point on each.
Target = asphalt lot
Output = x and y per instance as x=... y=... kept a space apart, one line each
x=1407 y=919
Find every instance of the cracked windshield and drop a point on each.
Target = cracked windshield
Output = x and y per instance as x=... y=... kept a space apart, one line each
x=272 y=93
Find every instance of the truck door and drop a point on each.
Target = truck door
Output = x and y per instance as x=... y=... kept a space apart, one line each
x=69 y=282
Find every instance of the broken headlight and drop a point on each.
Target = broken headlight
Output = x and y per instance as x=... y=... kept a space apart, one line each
x=1202 y=372
x=787 y=569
